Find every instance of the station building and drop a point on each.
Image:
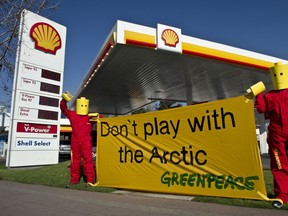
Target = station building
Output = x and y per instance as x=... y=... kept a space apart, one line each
x=138 y=65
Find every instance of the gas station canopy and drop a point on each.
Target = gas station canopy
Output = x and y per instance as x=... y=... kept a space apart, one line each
x=138 y=65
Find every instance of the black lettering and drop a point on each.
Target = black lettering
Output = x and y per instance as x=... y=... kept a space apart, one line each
x=224 y=115
x=155 y=154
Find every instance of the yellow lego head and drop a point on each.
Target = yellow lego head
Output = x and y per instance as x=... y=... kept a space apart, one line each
x=279 y=75
x=82 y=106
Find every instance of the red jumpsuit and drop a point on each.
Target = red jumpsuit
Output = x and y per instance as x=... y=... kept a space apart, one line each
x=275 y=106
x=81 y=145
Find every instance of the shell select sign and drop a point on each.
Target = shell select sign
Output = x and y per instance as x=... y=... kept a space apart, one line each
x=46 y=37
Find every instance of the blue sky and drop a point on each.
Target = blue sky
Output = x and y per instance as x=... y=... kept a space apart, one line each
x=256 y=25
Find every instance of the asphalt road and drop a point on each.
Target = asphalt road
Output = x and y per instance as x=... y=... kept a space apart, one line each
x=35 y=200
x=30 y=200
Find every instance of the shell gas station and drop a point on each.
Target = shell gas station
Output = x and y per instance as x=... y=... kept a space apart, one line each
x=208 y=147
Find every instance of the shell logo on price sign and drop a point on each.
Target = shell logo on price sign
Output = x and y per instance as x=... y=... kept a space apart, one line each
x=46 y=37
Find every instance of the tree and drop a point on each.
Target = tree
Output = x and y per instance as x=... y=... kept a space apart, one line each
x=10 y=15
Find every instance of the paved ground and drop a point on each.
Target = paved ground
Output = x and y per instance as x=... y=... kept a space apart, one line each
x=30 y=200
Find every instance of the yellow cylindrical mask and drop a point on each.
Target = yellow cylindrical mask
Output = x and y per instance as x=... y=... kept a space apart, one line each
x=279 y=75
x=82 y=106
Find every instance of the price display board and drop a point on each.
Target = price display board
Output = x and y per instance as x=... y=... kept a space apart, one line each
x=37 y=88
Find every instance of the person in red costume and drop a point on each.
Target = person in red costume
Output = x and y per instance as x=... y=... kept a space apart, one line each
x=274 y=104
x=81 y=141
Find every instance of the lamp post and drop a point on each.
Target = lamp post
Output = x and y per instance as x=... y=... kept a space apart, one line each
x=2 y=112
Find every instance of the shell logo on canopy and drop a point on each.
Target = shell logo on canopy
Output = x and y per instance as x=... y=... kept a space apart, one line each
x=46 y=37
x=170 y=37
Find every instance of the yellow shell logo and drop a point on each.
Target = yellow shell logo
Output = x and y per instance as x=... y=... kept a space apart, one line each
x=46 y=37
x=170 y=37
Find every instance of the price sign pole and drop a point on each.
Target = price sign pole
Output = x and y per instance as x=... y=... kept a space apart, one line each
x=35 y=114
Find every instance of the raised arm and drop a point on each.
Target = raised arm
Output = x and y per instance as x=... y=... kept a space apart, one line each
x=260 y=103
